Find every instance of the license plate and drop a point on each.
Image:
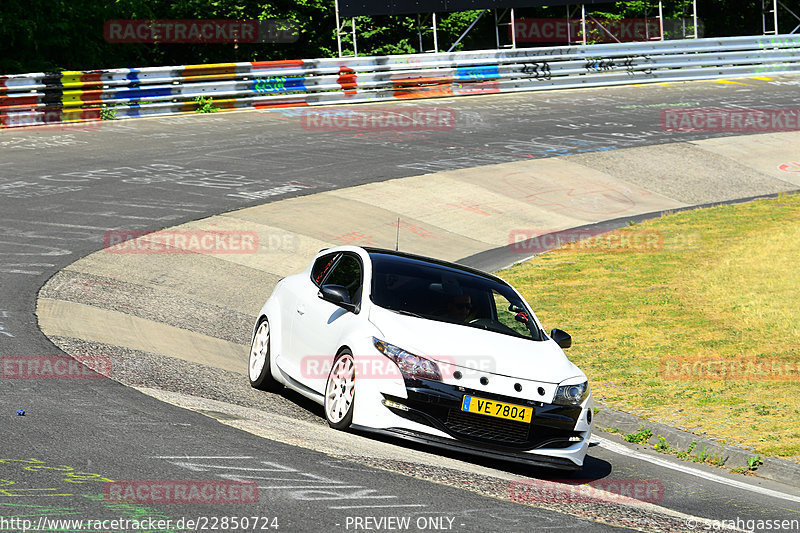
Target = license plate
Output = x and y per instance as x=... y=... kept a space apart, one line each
x=497 y=409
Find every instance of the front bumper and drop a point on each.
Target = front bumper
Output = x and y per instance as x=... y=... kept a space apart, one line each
x=546 y=461
x=557 y=437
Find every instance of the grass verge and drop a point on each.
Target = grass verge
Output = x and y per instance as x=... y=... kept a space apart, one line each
x=692 y=319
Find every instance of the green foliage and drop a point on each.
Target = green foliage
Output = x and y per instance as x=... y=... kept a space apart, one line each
x=687 y=453
x=701 y=457
x=752 y=465
x=387 y=35
x=718 y=459
x=52 y=35
x=754 y=462
x=108 y=112
x=205 y=105
x=640 y=437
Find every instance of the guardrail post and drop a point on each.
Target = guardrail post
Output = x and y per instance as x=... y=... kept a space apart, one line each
x=583 y=23
x=338 y=26
x=435 y=35
x=513 y=31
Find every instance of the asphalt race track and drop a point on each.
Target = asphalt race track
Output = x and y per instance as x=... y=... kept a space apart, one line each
x=62 y=190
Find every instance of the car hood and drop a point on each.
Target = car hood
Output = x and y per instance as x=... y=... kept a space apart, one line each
x=472 y=348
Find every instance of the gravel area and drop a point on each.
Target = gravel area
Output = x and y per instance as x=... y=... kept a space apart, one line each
x=159 y=305
x=144 y=369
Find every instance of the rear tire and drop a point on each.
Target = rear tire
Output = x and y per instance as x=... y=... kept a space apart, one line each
x=340 y=392
x=259 y=363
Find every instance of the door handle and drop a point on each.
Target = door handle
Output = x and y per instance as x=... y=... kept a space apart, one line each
x=301 y=310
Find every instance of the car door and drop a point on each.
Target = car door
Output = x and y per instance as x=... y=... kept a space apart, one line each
x=319 y=326
x=297 y=289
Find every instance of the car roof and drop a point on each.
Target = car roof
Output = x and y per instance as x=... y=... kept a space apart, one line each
x=430 y=260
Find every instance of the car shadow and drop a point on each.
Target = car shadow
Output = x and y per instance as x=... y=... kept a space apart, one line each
x=593 y=467
x=301 y=401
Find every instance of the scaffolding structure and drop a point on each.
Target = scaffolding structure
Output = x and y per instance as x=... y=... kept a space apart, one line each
x=427 y=24
x=769 y=16
x=340 y=24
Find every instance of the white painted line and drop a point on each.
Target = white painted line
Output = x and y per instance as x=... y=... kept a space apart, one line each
x=59 y=225
x=146 y=206
x=114 y=214
x=376 y=506
x=201 y=457
x=686 y=469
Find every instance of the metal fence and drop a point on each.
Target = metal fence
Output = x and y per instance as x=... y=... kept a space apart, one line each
x=41 y=98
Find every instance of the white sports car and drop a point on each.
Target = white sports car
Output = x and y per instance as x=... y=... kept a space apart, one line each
x=426 y=350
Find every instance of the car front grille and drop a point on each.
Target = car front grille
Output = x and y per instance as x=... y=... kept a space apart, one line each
x=487 y=428
x=553 y=426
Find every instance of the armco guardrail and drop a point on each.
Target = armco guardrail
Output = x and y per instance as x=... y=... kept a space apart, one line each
x=40 y=98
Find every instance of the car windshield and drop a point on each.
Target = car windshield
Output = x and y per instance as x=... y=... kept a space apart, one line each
x=439 y=292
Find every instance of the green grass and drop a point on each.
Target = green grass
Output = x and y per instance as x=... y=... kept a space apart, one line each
x=640 y=437
x=720 y=290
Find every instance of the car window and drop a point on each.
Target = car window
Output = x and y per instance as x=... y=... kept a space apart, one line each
x=322 y=266
x=347 y=273
x=512 y=315
x=447 y=294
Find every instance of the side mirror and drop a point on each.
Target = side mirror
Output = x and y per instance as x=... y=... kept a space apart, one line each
x=562 y=338
x=337 y=295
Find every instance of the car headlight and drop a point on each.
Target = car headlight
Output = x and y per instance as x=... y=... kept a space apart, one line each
x=410 y=365
x=572 y=394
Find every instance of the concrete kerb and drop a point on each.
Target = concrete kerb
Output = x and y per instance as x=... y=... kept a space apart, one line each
x=775 y=469
x=504 y=257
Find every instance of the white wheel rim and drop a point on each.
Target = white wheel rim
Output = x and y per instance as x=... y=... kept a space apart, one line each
x=259 y=351
x=340 y=389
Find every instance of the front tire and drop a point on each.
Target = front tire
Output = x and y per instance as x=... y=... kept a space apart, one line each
x=259 y=363
x=340 y=391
